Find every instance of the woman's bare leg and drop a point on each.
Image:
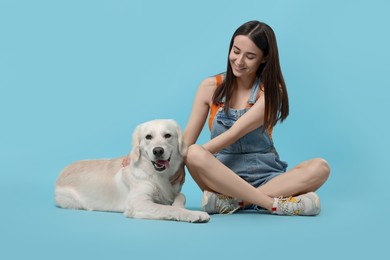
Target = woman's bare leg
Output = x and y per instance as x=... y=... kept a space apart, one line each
x=210 y=174
x=305 y=177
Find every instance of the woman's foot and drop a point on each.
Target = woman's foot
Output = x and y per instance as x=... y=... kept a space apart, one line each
x=304 y=205
x=214 y=203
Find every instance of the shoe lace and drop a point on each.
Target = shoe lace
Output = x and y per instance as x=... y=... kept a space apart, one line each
x=226 y=204
x=290 y=205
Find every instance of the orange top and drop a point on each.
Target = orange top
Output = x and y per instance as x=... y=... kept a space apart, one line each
x=215 y=107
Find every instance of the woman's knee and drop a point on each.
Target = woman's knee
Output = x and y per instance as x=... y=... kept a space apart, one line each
x=196 y=155
x=321 y=167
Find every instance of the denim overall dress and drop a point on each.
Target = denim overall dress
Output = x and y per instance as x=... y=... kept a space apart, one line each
x=253 y=157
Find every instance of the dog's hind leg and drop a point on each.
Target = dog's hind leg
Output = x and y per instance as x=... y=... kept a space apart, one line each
x=66 y=197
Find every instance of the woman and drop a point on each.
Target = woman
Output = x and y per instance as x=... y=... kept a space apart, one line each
x=239 y=166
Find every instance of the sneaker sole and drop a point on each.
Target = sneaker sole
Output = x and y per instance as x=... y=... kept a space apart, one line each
x=205 y=200
x=316 y=201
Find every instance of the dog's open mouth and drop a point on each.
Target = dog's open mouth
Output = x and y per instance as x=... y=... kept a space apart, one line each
x=161 y=165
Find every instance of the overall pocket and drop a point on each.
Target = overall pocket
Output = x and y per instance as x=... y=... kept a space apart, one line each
x=223 y=123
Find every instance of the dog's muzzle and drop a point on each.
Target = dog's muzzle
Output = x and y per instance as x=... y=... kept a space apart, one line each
x=160 y=165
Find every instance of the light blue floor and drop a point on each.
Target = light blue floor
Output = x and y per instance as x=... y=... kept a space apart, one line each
x=32 y=227
x=76 y=77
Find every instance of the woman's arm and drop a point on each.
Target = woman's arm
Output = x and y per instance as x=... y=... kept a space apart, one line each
x=200 y=110
x=195 y=124
x=248 y=122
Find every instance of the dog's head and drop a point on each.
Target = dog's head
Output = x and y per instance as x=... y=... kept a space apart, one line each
x=160 y=144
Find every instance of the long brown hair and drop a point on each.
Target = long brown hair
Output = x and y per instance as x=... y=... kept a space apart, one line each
x=270 y=74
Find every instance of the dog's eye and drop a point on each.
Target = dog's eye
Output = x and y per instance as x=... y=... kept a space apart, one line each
x=148 y=137
x=167 y=136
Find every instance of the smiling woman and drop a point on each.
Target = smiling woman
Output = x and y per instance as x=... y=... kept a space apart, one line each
x=240 y=167
x=245 y=57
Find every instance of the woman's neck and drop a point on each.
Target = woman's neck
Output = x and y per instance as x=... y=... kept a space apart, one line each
x=241 y=94
x=245 y=82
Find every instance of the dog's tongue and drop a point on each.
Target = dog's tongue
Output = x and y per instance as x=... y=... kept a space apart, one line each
x=163 y=162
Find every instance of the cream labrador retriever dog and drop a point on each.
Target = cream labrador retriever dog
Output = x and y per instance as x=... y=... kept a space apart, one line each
x=140 y=190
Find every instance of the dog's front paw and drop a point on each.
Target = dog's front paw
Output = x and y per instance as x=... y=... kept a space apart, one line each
x=197 y=217
x=203 y=217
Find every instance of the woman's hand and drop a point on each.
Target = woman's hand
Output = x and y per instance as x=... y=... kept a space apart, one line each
x=179 y=176
x=126 y=161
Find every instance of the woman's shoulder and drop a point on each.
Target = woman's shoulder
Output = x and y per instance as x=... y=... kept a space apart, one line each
x=206 y=89
x=208 y=85
x=211 y=83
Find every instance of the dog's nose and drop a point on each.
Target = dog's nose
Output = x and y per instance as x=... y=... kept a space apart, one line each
x=158 y=151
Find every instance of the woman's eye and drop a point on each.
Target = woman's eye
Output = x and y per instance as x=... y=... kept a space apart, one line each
x=148 y=137
x=167 y=136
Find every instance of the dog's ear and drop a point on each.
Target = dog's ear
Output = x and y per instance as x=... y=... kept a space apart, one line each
x=135 y=153
x=181 y=143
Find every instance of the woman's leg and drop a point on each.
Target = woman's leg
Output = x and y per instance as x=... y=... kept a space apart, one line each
x=305 y=177
x=210 y=174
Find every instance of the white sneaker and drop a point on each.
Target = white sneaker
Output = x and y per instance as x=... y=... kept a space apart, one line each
x=305 y=205
x=214 y=203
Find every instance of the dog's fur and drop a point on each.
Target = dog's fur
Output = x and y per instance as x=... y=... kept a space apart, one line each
x=140 y=190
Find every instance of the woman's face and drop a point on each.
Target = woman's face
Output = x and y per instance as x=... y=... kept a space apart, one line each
x=245 y=57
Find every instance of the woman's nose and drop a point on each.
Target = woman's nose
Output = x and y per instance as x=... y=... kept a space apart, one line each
x=240 y=60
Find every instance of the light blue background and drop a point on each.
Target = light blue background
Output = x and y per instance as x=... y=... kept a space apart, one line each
x=76 y=77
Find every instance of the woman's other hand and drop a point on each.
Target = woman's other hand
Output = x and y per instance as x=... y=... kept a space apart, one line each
x=179 y=176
